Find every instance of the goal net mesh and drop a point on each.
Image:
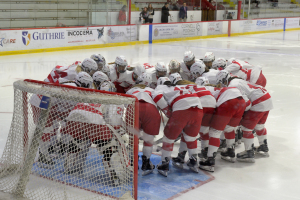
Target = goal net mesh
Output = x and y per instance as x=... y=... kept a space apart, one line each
x=69 y=143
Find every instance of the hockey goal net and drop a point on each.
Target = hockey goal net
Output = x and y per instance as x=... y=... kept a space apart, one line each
x=70 y=143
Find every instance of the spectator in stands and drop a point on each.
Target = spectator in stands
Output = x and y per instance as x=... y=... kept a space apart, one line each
x=151 y=13
x=122 y=15
x=165 y=13
x=229 y=16
x=174 y=7
x=183 y=13
x=206 y=5
x=144 y=15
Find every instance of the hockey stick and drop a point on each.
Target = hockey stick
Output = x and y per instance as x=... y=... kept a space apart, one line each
x=163 y=122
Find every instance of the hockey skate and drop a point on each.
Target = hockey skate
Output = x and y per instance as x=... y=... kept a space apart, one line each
x=228 y=154
x=179 y=160
x=163 y=168
x=208 y=165
x=192 y=163
x=45 y=162
x=262 y=149
x=147 y=166
x=203 y=154
x=222 y=145
x=246 y=156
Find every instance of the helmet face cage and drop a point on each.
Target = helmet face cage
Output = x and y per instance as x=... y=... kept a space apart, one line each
x=161 y=73
x=121 y=68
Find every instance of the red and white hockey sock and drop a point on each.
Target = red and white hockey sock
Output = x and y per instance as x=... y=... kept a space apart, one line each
x=148 y=144
x=204 y=140
x=222 y=136
x=183 y=146
x=248 y=138
x=191 y=143
x=204 y=136
x=229 y=135
x=167 y=148
x=214 y=141
x=261 y=134
x=147 y=150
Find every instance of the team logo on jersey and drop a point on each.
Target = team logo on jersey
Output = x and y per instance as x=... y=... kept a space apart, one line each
x=26 y=37
x=100 y=32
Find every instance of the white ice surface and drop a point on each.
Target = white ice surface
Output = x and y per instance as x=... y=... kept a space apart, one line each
x=273 y=178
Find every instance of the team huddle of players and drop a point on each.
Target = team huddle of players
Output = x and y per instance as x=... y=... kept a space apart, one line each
x=216 y=98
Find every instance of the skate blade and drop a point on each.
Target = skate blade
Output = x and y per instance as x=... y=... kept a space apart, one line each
x=264 y=154
x=45 y=166
x=229 y=159
x=146 y=172
x=207 y=168
x=248 y=160
x=194 y=169
x=221 y=150
x=177 y=165
x=163 y=172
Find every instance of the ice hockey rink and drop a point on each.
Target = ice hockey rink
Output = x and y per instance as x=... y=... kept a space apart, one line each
x=278 y=53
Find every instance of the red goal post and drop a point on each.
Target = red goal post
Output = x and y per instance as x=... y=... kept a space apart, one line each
x=19 y=169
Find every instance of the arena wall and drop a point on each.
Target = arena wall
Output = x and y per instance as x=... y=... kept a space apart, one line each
x=21 y=41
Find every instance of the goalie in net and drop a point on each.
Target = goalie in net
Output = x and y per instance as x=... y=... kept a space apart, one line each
x=93 y=148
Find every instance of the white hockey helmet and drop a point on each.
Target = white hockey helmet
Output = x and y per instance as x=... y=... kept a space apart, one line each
x=161 y=69
x=106 y=70
x=100 y=60
x=145 y=79
x=107 y=86
x=84 y=80
x=138 y=70
x=163 y=80
x=229 y=62
x=174 y=78
x=121 y=64
x=197 y=69
x=219 y=63
x=174 y=66
x=222 y=77
x=202 y=81
x=99 y=77
x=188 y=56
x=89 y=66
x=209 y=57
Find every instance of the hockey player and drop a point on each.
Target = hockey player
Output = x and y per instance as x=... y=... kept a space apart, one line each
x=252 y=74
x=149 y=118
x=254 y=118
x=227 y=116
x=59 y=111
x=160 y=71
x=138 y=71
x=208 y=59
x=99 y=77
x=198 y=69
x=100 y=60
x=219 y=64
x=63 y=74
x=188 y=61
x=174 y=67
x=208 y=103
x=120 y=76
x=186 y=104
